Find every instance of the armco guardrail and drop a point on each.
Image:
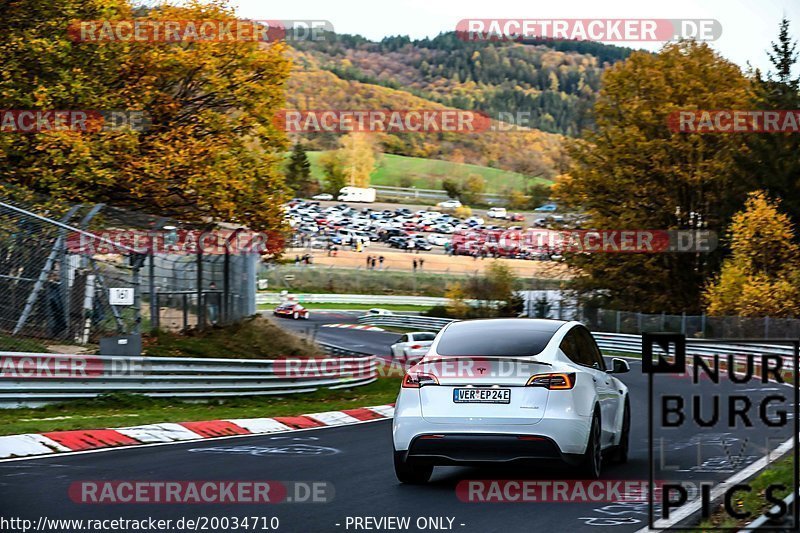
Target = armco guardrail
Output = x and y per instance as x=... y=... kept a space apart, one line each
x=617 y=342
x=377 y=299
x=30 y=379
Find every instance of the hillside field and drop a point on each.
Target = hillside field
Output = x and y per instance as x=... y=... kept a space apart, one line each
x=429 y=173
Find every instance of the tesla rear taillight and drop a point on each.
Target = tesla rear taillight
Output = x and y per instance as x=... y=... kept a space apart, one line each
x=415 y=380
x=416 y=347
x=552 y=381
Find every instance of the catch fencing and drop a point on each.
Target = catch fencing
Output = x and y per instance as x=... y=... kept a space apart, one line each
x=60 y=265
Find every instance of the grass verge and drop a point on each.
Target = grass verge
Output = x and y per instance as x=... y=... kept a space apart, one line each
x=120 y=410
x=780 y=472
x=252 y=338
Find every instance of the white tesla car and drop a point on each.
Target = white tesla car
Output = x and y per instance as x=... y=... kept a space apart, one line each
x=412 y=346
x=507 y=390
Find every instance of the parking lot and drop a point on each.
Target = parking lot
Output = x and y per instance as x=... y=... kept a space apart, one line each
x=330 y=229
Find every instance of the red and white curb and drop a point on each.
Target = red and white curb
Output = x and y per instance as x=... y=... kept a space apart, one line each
x=31 y=444
x=361 y=327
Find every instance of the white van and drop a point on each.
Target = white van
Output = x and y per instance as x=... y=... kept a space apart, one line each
x=497 y=212
x=356 y=194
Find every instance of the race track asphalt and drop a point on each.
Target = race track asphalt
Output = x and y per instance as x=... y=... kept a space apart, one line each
x=357 y=462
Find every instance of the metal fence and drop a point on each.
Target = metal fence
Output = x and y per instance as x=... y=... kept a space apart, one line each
x=60 y=263
x=54 y=379
x=617 y=322
x=698 y=326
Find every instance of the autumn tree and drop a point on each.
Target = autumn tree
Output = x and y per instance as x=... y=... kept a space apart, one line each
x=473 y=188
x=211 y=152
x=298 y=173
x=333 y=172
x=357 y=158
x=762 y=275
x=634 y=173
x=770 y=161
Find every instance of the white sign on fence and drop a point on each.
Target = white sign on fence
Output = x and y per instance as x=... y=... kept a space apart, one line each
x=120 y=296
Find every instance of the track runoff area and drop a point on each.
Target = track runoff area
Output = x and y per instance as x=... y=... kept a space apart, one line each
x=701 y=429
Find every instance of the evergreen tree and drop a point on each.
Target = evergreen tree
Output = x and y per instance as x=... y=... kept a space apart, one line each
x=298 y=172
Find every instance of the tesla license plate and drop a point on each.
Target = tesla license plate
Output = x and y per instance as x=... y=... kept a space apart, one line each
x=482 y=395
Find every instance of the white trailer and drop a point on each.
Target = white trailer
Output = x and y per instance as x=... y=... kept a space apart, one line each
x=356 y=194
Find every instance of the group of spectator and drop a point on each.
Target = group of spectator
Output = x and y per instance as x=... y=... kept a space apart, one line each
x=373 y=262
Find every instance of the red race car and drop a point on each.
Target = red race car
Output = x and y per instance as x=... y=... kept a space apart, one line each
x=291 y=310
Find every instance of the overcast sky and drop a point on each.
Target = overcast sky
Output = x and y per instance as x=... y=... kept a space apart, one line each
x=748 y=26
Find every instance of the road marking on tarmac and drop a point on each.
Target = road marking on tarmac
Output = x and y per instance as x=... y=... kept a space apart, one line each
x=361 y=327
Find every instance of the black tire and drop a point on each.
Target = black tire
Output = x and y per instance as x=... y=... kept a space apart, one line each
x=593 y=457
x=621 y=452
x=413 y=474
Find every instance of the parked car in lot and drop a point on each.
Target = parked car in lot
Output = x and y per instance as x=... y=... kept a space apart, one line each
x=421 y=243
x=398 y=242
x=443 y=228
x=438 y=240
x=412 y=346
x=516 y=217
x=323 y=197
x=291 y=310
x=449 y=204
x=511 y=390
x=546 y=208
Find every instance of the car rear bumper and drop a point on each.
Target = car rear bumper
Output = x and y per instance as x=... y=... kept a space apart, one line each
x=466 y=449
x=567 y=430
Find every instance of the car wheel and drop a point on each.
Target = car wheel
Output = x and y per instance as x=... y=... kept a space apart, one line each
x=593 y=457
x=306 y=316
x=621 y=453
x=410 y=473
x=296 y=315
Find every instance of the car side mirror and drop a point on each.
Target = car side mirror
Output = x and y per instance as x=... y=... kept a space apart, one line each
x=619 y=366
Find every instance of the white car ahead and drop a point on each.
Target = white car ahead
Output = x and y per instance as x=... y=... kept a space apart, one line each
x=511 y=390
x=412 y=346
x=449 y=204
x=377 y=311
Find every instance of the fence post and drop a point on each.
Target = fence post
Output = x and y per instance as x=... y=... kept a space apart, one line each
x=154 y=318
x=683 y=323
x=766 y=327
x=703 y=324
x=137 y=261
x=618 y=321
x=639 y=321
x=201 y=310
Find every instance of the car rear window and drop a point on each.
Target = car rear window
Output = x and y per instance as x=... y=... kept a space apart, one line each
x=495 y=338
x=424 y=336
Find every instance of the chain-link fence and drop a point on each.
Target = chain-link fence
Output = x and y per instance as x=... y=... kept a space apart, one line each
x=78 y=273
x=691 y=325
